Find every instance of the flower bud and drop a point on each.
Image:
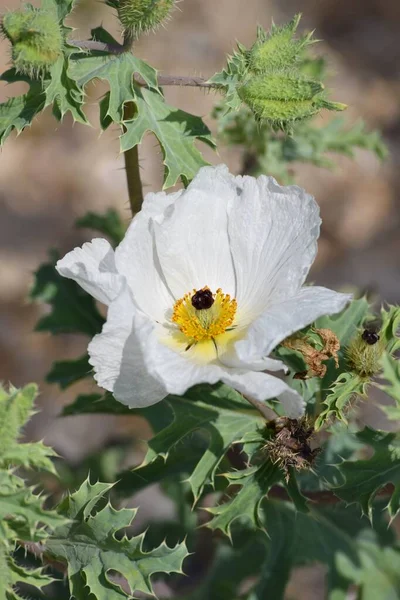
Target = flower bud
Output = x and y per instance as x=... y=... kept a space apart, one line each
x=282 y=98
x=36 y=39
x=277 y=50
x=141 y=16
x=363 y=357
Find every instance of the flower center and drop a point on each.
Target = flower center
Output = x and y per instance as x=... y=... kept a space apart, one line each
x=202 y=315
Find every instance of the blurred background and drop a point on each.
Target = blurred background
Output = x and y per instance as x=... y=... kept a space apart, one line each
x=54 y=173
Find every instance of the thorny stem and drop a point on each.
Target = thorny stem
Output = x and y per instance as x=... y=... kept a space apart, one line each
x=262 y=408
x=131 y=156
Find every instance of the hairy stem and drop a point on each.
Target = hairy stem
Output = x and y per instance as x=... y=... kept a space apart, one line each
x=132 y=168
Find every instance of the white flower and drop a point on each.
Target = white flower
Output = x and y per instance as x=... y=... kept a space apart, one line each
x=205 y=284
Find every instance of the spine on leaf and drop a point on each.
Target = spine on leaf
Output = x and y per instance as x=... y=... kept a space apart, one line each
x=36 y=39
x=142 y=16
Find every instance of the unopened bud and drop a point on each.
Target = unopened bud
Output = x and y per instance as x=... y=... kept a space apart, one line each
x=141 y=16
x=278 y=49
x=281 y=98
x=364 y=354
x=36 y=39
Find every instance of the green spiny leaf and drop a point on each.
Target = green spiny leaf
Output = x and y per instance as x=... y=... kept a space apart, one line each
x=63 y=93
x=12 y=574
x=230 y=77
x=255 y=483
x=176 y=131
x=94 y=552
x=324 y=535
x=117 y=69
x=391 y=375
x=346 y=387
x=16 y=407
x=365 y=477
x=109 y=223
x=67 y=372
x=376 y=572
x=221 y=413
x=19 y=112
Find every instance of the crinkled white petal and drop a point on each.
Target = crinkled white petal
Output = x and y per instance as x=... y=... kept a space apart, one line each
x=117 y=358
x=136 y=258
x=177 y=374
x=93 y=267
x=285 y=318
x=192 y=239
x=273 y=232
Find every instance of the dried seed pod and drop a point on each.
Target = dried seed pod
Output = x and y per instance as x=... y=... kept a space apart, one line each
x=289 y=444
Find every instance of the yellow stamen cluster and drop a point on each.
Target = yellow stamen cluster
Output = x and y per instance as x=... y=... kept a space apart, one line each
x=204 y=324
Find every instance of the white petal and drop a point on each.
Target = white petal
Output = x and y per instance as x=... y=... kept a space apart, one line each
x=284 y=318
x=116 y=355
x=178 y=374
x=192 y=240
x=136 y=258
x=273 y=232
x=93 y=267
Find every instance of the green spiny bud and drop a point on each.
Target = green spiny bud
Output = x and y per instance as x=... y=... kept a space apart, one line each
x=36 y=39
x=277 y=50
x=364 y=353
x=141 y=16
x=280 y=98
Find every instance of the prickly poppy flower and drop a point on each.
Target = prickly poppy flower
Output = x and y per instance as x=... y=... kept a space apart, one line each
x=206 y=283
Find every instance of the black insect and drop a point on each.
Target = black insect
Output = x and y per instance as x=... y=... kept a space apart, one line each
x=370 y=334
x=202 y=299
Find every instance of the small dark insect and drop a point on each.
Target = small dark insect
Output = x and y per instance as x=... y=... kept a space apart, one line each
x=370 y=335
x=202 y=299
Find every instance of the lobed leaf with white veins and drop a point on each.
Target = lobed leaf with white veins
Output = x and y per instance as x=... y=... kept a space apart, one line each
x=117 y=69
x=221 y=413
x=18 y=113
x=364 y=478
x=176 y=131
x=98 y=558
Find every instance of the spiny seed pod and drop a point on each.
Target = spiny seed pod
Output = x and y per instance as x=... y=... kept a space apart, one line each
x=36 y=39
x=363 y=356
x=277 y=50
x=282 y=99
x=141 y=16
x=288 y=444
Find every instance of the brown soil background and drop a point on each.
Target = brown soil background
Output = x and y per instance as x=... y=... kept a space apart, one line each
x=53 y=173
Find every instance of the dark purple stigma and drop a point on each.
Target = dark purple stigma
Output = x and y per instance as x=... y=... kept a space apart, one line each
x=371 y=337
x=202 y=299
